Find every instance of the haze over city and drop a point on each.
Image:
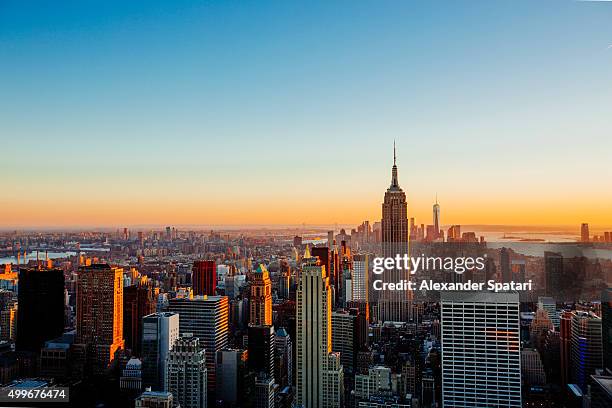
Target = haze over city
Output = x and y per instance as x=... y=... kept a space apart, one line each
x=191 y=114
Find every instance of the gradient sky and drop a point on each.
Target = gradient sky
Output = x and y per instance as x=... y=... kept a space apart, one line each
x=122 y=113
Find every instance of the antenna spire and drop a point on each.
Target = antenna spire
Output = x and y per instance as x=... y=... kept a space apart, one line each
x=394 y=152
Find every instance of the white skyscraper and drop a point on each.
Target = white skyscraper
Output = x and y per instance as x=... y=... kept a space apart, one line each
x=159 y=332
x=360 y=278
x=320 y=376
x=481 y=358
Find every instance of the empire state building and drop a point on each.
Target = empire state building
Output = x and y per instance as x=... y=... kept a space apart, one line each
x=393 y=305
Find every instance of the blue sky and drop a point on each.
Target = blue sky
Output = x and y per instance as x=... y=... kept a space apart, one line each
x=243 y=105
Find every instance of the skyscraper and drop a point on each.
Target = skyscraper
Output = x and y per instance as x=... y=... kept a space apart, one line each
x=553 y=270
x=204 y=278
x=206 y=317
x=283 y=352
x=159 y=333
x=261 y=298
x=360 y=278
x=261 y=350
x=232 y=369
x=41 y=307
x=586 y=347
x=186 y=373
x=393 y=304
x=138 y=301
x=344 y=338
x=100 y=313
x=606 y=328
x=436 y=218
x=320 y=376
x=481 y=360
x=504 y=265
x=584 y=232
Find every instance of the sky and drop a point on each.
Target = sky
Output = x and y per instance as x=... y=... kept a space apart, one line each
x=171 y=113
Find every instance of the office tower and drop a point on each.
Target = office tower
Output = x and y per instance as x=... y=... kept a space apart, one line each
x=261 y=350
x=565 y=346
x=131 y=377
x=41 y=307
x=584 y=232
x=436 y=218
x=606 y=328
x=532 y=368
x=138 y=302
x=481 y=360
x=330 y=239
x=260 y=301
x=393 y=305
x=343 y=338
x=283 y=352
x=324 y=258
x=320 y=376
x=186 y=373
x=553 y=270
x=504 y=265
x=232 y=370
x=540 y=325
x=204 y=278
x=99 y=322
x=159 y=333
x=360 y=278
x=586 y=347
x=549 y=304
x=154 y=399
x=264 y=392
x=454 y=233
x=206 y=317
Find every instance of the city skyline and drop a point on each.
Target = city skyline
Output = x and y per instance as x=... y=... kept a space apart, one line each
x=127 y=116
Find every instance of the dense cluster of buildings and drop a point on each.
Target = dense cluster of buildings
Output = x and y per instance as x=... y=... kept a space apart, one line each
x=288 y=319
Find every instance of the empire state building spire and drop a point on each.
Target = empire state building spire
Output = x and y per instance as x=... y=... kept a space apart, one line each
x=394 y=182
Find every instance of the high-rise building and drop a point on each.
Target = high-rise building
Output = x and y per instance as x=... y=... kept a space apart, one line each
x=320 y=376
x=584 y=232
x=138 y=302
x=186 y=373
x=260 y=301
x=393 y=305
x=41 y=307
x=436 y=219
x=206 y=317
x=99 y=323
x=606 y=328
x=504 y=265
x=232 y=370
x=261 y=350
x=264 y=392
x=360 y=278
x=586 y=347
x=553 y=270
x=283 y=352
x=343 y=338
x=481 y=360
x=159 y=333
x=532 y=368
x=204 y=278
x=565 y=346
x=549 y=304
